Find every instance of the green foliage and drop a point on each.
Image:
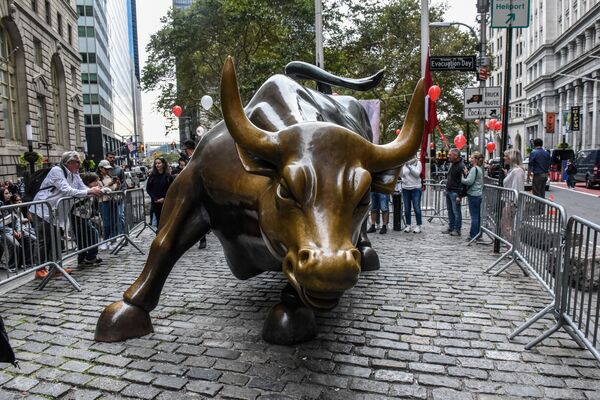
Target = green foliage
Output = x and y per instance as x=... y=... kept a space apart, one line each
x=264 y=35
x=24 y=163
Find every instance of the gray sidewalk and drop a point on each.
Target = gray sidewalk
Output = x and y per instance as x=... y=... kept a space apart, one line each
x=428 y=325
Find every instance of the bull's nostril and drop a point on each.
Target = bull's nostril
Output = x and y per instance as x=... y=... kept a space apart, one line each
x=304 y=256
x=356 y=255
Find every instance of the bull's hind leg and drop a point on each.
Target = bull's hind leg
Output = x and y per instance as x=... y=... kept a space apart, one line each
x=290 y=321
x=369 y=260
x=181 y=225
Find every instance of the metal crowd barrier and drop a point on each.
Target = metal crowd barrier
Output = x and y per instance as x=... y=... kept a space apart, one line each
x=27 y=242
x=433 y=203
x=498 y=211
x=539 y=243
x=76 y=227
x=577 y=305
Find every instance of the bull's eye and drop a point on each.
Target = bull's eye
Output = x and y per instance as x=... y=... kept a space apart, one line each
x=284 y=193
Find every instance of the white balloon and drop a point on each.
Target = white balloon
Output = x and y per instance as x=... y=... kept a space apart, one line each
x=206 y=101
x=200 y=130
x=476 y=141
x=460 y=133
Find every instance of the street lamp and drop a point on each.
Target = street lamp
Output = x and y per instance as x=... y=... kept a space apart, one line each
x=30 y=156
x=482 y=62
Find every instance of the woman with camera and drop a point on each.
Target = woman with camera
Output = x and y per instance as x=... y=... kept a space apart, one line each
x=473 y=179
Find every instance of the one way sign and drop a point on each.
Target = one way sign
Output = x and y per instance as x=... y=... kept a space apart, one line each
x=480 y=102
x=510 y=13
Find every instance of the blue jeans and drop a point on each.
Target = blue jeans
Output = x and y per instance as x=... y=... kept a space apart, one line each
x=475 y=211
x=86 y=235
x=454 y=211
x=379 y=202
x=110 y=218
x=412 y=196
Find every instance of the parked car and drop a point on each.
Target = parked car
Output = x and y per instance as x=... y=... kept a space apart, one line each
x=587 y=163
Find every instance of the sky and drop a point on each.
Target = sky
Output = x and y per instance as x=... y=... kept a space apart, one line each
x=149 y=23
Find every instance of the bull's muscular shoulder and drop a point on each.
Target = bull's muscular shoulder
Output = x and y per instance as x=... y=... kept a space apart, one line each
x=281 y=102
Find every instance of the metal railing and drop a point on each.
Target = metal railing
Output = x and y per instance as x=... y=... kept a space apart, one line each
x=498 y=211
x=433 y=203
x=35 y=235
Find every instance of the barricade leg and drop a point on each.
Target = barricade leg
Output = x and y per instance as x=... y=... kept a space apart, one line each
x=56 y=268
x=531 y=321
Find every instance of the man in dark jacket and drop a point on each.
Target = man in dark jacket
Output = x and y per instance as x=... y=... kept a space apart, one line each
x=453 y=193
x=539 y=164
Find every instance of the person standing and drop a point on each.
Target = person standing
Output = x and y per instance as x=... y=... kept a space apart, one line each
x=379 y=202
x=62 y=181
x=474 y=180
x=411 y=194
x=571 y=171
x=157 y=186
x=539 y=164
x=515 y=179
x=453 y=192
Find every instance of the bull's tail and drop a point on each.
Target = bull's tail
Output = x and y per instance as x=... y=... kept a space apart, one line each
x=299 y=70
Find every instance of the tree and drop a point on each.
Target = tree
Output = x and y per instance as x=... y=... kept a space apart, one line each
x=264 y=35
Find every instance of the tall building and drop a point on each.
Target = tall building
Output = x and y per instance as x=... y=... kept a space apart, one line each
x=136 y=81
x=185 y=125
x=39 y=82
x=555 y=69
x=107 y=73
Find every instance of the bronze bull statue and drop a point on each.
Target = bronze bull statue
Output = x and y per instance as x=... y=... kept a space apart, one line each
x=284 y=185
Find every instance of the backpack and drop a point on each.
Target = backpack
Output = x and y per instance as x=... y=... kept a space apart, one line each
x=6 y=352
x=34 y=182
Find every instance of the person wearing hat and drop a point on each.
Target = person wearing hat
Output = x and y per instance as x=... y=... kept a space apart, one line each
x=108 y=208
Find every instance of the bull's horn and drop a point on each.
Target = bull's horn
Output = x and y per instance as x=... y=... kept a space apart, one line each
x=396 y=153
x=247 y=135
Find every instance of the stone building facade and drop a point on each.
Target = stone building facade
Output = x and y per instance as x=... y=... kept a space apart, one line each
x=555 y=66
x=40 y=81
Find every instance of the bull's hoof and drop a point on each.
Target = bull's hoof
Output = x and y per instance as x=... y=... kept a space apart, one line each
x=120 y=321
x=369 y=260
x=289 y=324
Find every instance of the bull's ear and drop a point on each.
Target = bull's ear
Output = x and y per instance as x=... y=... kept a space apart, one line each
x=255 y=165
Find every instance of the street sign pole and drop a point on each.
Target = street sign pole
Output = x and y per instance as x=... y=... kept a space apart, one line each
x=482 y=7
x=505 y=102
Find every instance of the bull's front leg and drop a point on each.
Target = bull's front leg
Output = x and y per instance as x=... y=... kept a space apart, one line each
x=290 y=321
x=369 y=259
x=181 y=226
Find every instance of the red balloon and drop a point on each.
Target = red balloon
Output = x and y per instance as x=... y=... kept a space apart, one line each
x=491 y=146
x=177 y=110
x=460 y=141
x=434 y=92
x=490 y=124
x=398 y=131
x=498 y=126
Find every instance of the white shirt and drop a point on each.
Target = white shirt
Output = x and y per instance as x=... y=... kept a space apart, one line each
x=515 y=179
x=411 y=176
x=58 y=186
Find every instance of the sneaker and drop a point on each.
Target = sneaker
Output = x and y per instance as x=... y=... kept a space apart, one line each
x=41 y=273
x=447 y=231
x=103 y=246
x=383 y=229
x=417 y=229
x=455 y=233
x=408 y=228
x=371 y=229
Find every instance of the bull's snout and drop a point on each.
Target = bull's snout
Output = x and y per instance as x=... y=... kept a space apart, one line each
x=328 y=272
x=321 y=278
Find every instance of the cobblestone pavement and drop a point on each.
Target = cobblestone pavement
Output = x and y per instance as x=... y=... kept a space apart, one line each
x=428 y=325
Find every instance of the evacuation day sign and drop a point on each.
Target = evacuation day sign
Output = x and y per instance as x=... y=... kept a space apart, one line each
x=510 y=13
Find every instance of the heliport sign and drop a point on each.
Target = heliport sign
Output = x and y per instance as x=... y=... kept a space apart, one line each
x=510 y=13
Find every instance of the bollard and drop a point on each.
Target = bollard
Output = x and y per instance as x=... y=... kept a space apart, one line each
x=397 y=205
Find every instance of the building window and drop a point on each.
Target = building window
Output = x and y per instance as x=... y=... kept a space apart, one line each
x=38 y=53
x=34 y=6
x=48 y=13
x=42 y=119
x=70 y=34
x=58 y=95
x=8 y=88
x=59 y=24
x=77 y=127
